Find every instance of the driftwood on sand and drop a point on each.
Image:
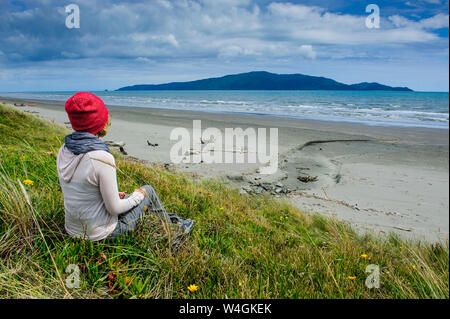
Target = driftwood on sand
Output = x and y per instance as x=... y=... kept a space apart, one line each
x=122 y=150
x=120 y=145
x=307 y=178
x=401 y=228
x=115 y=144
x=21 y=104
x=151 y=144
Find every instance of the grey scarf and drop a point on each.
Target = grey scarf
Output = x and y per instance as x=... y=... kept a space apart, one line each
x=84 y=142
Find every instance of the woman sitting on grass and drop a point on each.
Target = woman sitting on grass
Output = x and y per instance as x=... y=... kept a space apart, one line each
x=94 y=209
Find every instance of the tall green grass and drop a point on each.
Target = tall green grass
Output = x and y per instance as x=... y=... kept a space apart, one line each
x=240 y=247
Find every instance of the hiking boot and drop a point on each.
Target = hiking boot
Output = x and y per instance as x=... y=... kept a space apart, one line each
x=185 y=224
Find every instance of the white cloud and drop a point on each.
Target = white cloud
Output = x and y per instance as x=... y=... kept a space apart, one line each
x=144 y=59
x=295 y=11
x=307 y=51
x=232 y=51
x=69 y=55
x=436 y=22
x=203 y=29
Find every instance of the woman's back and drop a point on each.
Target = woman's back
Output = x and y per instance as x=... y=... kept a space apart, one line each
x=87 y=174
x=79 y=175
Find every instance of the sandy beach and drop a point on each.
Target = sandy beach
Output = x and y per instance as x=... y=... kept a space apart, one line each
x=379 y=179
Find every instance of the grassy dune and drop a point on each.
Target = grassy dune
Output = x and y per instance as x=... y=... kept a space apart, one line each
x=240 y=247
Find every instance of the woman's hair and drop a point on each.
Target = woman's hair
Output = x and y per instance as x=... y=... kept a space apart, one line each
x=104 y=130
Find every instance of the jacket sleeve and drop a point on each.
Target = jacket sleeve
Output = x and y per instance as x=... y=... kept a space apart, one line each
x=107 y=180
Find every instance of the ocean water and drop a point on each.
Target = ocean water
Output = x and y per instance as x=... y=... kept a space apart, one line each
x=420 y=109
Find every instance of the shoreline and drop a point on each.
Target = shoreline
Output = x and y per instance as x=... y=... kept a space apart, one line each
x=395 y=180
x=375 y=123
x=400 y=132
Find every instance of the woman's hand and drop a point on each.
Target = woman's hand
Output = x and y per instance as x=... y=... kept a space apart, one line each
x=122 y=194
x=142 y=191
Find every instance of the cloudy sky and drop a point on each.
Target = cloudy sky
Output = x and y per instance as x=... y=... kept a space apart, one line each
x=155 y=41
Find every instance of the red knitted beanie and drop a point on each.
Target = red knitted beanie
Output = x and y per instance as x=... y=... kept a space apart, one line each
x=87 y=112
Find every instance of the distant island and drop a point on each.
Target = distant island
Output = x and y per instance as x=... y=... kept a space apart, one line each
x=261 y=80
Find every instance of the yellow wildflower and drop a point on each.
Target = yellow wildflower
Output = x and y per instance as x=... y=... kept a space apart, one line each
x=221 y=208
x=200 y=191
x=281 y=217
x=28 y=182
x=364 y=256
x=210 y=195
x=240 y=284
x=352 y=277
x=414 y=266
x=192 y=288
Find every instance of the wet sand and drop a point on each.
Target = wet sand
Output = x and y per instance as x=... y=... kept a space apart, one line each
x=379 y=179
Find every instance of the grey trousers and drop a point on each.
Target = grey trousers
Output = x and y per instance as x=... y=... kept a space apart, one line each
x=128 y=220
